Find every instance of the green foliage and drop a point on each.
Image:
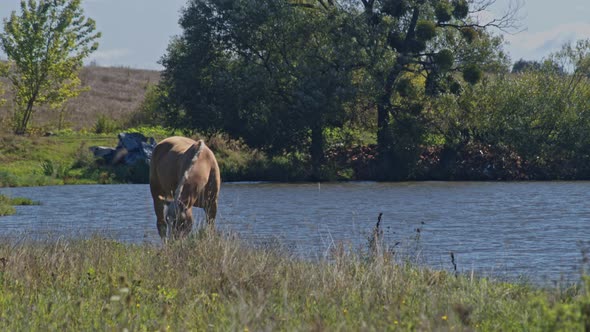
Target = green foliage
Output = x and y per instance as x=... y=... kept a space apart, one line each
x=45 y=45
x=525 y=66
x=472 y=74
x=287 y=72
x=469 y=34
x=349 y=136
x=460 y=9
x=48 y=168
x=16 y=200
x=150 y=111
x=238 y=162
x=7 y=179
x=444 y=60
x=23 y=201
x=105 y=125
x=404 y=87
x=425 y=30
x=395 y=8
x=433 y=38
x=6 y=210
x=158 y=132
x=298 y=69
x=443 y=11
x=4 y=67
x=536 y=116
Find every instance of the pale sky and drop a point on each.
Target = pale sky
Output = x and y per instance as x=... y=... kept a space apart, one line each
x=136 y=32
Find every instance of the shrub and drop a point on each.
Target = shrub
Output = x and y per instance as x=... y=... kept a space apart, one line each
x=105 y=124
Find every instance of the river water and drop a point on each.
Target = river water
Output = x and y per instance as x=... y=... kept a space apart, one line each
x=538 y=230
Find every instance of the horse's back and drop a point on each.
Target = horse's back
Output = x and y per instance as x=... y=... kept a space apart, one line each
x=169 y=163
x=166 y=163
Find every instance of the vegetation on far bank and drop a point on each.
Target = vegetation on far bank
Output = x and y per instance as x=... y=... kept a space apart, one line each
x=213 y=282
x=65 y=158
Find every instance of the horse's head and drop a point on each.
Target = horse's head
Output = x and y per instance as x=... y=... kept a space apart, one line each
x=179 y=219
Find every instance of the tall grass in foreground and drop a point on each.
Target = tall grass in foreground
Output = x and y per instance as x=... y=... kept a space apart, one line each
x=213 y=282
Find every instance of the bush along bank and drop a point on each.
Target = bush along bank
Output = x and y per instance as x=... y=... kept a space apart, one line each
x=78 y=158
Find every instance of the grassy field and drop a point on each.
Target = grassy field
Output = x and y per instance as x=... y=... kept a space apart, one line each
x=218 y=283
x=34 y=161
x=114 y=93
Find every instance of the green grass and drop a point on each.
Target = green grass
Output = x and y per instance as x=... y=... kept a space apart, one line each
x=219 y=283
x=60 y=159
x=7 y=204
x=6 y=210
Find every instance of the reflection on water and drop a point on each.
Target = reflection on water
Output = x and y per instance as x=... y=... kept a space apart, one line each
x=535 y=229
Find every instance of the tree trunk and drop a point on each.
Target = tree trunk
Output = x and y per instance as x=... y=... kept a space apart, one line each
x=316 y=150
x=62 y=115
x=384 y=134
x=21 y=126
x=383 y=123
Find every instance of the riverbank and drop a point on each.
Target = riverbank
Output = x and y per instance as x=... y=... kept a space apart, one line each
x=64 y=158
x=213 y=282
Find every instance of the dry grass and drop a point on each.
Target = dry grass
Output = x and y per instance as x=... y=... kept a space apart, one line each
x=115 y=92
x=218 y=283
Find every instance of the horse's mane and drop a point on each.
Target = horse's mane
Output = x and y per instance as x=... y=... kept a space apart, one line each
x=184 y=177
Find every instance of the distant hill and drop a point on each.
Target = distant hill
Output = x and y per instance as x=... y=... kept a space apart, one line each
x=115 y=92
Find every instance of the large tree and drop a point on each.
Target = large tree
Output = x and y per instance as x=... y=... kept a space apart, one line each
x=46 y=44
x=431 y=38
x=271 y=72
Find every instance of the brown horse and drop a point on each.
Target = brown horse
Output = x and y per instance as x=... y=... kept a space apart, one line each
x=183 y=173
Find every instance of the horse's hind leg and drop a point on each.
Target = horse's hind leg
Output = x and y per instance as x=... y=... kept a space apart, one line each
x=211 y=211
x=211 y=194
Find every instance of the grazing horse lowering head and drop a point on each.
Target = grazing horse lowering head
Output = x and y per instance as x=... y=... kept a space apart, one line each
x=183 y=174
x=178 y=217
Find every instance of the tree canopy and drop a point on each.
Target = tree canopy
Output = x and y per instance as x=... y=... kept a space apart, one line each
x=279 y=74
x=270 y=72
